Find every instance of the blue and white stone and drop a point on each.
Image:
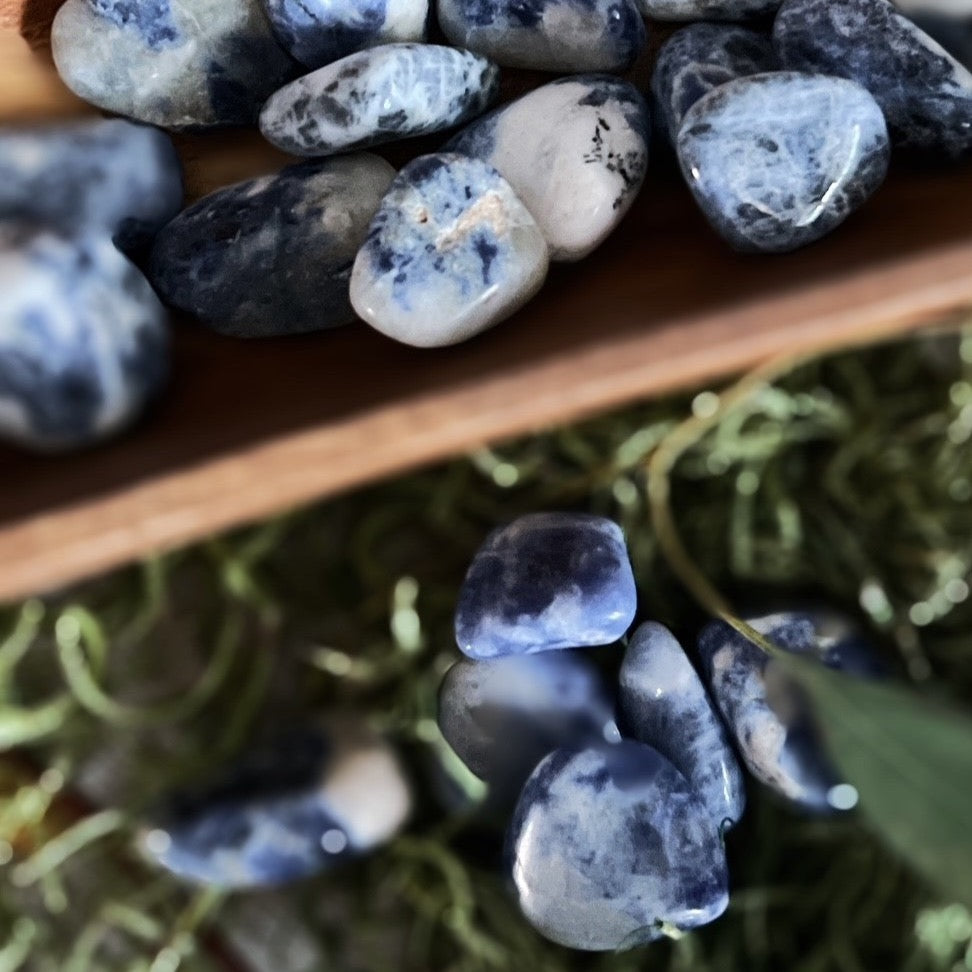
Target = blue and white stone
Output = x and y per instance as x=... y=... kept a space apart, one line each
x=546 y=581
x=287 y=811
x=610 y=847
x=379 y=95
x=547 y=35
x=504 y=715
x=779 y=160
x=123 y=178
x=952 y=30
x=575 y=151
x=698 y=58
x=83 y=338
x=319 y=32
x=686 y=10
x=665 y=706
x=924 y=92
x=273 y=256
x=451 y=252
x=179 y=64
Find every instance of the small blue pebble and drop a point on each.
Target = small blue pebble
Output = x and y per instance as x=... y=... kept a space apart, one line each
x=610 y=847
x=548 y=580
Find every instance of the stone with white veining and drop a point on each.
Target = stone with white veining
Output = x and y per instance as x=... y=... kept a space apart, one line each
x=83 y=338
x=925 y=93
x=379 y=95
x=665 y=705
x=547 y=35
x=319 y=32
x=698 y=58
x=575 y=151
x=451 y=252
x=179 y=64
x=778 y=160
x=273 y=255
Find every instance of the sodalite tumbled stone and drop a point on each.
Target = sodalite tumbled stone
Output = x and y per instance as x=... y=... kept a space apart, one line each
x=83 y=340
x=272 y=256
x=546 y=581
x=608 y=843
x=575 y=151
x=319 y=32
x=286 y=811
x=547 y=35
x=112 y=174
x=665 y=706
x=778 y=160
x=174 y=63
x=379 y=95
x=683 y=10
x=451 y=252
x=700 y=57
x=926 y=95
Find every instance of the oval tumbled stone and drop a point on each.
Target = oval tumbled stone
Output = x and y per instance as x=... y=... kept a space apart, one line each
x=273 y=256
x=778 y=160
x=380 y=95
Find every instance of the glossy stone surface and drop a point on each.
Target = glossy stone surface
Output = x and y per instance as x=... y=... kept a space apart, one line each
x=608 y=842
x=379 y=95
x=546 y=581
x=109 y=174
x=174 y=63
x=319 y=32
x=925 y=94
x=503 y=716
x=665 y=706
x=547 y=35
x=698 y=58
x=575 y=151
x=83 y=340
x=684 y=10
x=452 y=251
x=952 y=32
x=287 y=811
x=777 y=161
x=273 y=256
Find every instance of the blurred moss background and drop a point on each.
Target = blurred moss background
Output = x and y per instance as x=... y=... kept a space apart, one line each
x=845 y=480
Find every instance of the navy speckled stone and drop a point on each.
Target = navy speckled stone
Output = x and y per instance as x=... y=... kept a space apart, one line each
x=179 y=64
x=575 y=151
x=952 y=32
x=380 y=95
x=272 y=256
x=608 y=843
x=112 y=174
x=777 y=161
x=547 y=35
x=546 y=581
x=700 y=57
x=451 y=252
x=319 y=32
x=287 y=811
x=925 y=94
x=665 y=706
x=83 y=339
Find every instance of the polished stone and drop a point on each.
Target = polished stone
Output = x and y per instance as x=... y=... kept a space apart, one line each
x=273 y=256
x=546 y=581
x=83 y=339
x=547 y=35
x=924 y=92
x=179 y=64
x=379 y=95
x=779 y=160
x=451 y=252
x=685 y=10
x=575 y=151
x=608 y=843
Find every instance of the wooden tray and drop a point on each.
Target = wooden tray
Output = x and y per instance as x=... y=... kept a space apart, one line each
x=249 y=429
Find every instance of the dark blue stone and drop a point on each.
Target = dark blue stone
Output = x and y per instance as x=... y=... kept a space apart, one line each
x=925 y=94
x=953 y=33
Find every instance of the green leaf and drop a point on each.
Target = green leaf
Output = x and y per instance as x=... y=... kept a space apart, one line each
x=910 y=760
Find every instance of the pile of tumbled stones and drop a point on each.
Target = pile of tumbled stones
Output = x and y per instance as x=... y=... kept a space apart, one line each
x=780 y=135
x=621 y=799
